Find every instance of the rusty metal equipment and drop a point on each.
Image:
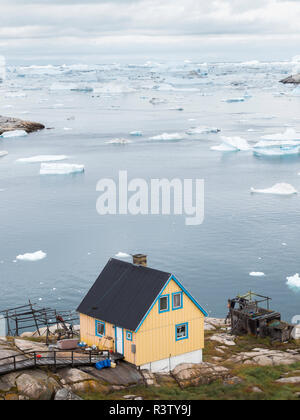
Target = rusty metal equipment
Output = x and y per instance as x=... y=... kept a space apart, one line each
x=249 y=317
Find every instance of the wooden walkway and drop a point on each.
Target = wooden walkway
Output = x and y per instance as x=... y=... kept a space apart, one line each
x=53 y=360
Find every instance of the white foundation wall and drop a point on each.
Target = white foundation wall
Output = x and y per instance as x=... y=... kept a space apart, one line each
x=166 y=365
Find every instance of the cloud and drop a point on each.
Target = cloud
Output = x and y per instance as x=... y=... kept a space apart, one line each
x=32 y=26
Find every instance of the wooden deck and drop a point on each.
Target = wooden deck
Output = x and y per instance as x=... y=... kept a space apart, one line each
x=53 y=360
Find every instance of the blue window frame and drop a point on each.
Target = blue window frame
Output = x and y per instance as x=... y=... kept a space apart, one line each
x=129 y=335
x=100 y=328
x=182 y=331
x=164 y=304
x=177 y=301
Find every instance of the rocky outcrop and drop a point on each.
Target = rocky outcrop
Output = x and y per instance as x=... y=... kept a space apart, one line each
x=225 y=339
x=37 y=385
x=188 y=374
x=66 y=395
x=266 y=357
x=80 y=382
x=11 y=124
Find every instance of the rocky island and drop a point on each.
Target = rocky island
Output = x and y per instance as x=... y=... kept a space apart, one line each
x=12 y=124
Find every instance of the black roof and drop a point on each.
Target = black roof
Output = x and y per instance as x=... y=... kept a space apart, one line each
x=123 y=293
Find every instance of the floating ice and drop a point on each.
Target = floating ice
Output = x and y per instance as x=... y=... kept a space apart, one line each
x=122 y=255
x=169 y=136
x=15 y=95
x=63 y=86
x=202 y=130
x=232 y=144
x=3 y=153
x=233 y=100
x=293 y=281
x=136 y=133
x=35 y=256
x=289 y=134
x=278 y=189
x=296 y=91
x=284 y=148
x=14 y=133
x=119 y=141
x=256 y=274
x=43 y=158
x=60 y=169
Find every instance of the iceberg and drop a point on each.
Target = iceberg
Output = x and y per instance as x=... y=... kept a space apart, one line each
x=256 y=274
x=278 y=189
x=202 y=130
x=14 y=133
x=136 y=133
x=168 y=136
x=60 y=169
x=289 y=134
x=35 y=256
x=42 y=158
x=293 y=281
x=119 y=141
x=3 y=153
x=233 y=100
x=122 y=255
x=232 y=144
x=283 y=148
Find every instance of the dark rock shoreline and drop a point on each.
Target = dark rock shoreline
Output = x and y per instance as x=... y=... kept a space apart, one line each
x=11 y=124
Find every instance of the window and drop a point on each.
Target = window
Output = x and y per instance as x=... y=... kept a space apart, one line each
x=163 y=305
x=129 y=335
x=100 y=329
x=182 y=332
x=177 y=301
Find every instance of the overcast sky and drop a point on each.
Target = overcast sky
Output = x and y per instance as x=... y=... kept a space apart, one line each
x=44 y=30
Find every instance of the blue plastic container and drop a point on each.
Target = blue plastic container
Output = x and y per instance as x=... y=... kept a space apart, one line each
x=103 y=364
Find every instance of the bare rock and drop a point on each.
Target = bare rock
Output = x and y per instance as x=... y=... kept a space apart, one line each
x=294 y=380
x=256 y=390
x=28 y=346
x=149 y=378
x=81 y=382
x=188 y=374
x=266 y=357
x=11 y=124
x=225 y=339
x=66 y=395
x=235 y=380
x=36 y=385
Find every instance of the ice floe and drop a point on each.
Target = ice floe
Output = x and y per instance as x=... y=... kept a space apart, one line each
x=257 y=274
x=119 y=141
x=136 y=133
x=3 y=153
x=293 y=281
x=14 y=133
x=232 y=144
x=289 y=134
x=278 y=189
x=279 y=148
x=169 y=136
x=60 y=169
x=122 y=255
x=32 y=257
x=43 y=158
x=202 y=130
x=234 y=100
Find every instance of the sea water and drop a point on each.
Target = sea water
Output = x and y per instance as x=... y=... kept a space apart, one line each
x=85 y=108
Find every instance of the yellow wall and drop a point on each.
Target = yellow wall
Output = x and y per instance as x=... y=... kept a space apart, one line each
x=155 y=339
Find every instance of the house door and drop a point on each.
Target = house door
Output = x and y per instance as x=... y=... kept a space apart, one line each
x=119 y=340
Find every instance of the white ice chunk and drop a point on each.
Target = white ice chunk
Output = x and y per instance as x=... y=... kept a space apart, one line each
x=122 y=255
x=60 y=169
x=278 y=189
x=35 y=256
x=14 y=133
x=293 y=281
x=119 y=141
x=202 y=130
x=169 y=136
x=3 y=153
x=232 y=144
x=233 y=100
x=256 y=274
x=15 y=95
x=43 y=158
x=136 y=133
x=289 y=134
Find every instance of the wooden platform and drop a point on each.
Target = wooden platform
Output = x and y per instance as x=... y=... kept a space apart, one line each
x=54 y=360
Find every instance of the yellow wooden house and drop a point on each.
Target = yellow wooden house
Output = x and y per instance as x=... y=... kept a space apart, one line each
x=144 y=314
